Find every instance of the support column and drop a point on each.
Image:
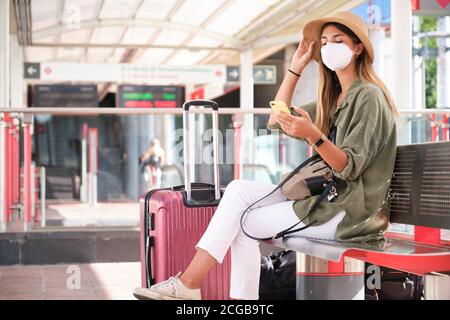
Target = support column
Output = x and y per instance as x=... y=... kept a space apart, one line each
x=4 y=54
x=2 y=174
x=418 y=78
x=377 y=36
x=447 y=59
x=319 y=279
x=132 y=170
x=436 y=286
x=247 y=103
x=93 y=165
x=4 y=103
x=443 y=79
x=17 y=83
x=401 y=30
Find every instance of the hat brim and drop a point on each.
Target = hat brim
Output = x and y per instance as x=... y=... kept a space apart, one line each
x=312 y=32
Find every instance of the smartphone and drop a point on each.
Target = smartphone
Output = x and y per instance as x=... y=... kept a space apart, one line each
x=279 y=106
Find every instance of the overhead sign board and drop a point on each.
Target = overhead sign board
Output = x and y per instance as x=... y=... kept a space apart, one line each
x=262 y=74
x=66 y=96
x=148 y=74
x=133 y=96
x=125 y=72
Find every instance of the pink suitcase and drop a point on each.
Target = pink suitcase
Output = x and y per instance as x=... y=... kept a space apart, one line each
x=174 y=219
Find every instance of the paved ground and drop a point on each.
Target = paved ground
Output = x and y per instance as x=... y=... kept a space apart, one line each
x=53 y=282
x=102 y=214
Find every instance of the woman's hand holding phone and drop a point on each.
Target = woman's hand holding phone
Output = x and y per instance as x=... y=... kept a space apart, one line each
x=301 y=127
x=277 y=106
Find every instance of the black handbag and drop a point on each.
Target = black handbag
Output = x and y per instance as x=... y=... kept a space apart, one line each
x=277 y=279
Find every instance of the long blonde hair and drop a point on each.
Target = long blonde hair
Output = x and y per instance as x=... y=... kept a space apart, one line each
x=330 y=88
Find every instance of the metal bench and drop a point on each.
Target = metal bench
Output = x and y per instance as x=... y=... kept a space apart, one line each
x=420 y=196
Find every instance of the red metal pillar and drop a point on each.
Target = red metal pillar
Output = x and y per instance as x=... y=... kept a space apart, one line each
x=8 y=167
x=15 y=162
x=27 y=174
x=444 y=127
x=3 y=171
x=434 y=128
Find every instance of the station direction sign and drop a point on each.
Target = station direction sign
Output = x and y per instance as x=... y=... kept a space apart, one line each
x=145 y=74
x=125 y=72
x=262 y=74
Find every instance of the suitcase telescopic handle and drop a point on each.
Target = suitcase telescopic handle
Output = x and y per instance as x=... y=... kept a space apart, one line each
x=204 y=103
x=186 y=152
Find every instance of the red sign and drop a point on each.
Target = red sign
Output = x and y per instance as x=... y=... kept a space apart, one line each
x=443 y=3
x=197 y=94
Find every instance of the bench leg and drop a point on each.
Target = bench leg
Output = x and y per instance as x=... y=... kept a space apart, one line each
x=319 y=279
x=437 y=286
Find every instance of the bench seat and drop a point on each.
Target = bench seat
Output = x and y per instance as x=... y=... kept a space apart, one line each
x=393 y=252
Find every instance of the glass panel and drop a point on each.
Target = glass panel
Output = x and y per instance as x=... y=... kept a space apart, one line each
x=98 y=54
x=153 y=56
x=107 y=35
x=85 y=9
x=130 y=162
x=238 y=15
x=170 y=37
x=39 y=54
x=137 y=35
x=200 y=41
x=45 y=14
x=191 y=9
x=155 y=9
x=116 y=9
x=69 y=54
x=77 y=36
x=187 y=57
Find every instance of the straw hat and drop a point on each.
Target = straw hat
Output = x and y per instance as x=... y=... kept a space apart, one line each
x=312 y=31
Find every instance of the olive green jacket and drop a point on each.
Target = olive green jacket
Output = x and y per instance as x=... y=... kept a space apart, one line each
x=366 y=131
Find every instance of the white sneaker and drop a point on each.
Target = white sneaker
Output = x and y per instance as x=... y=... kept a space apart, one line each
x=171 y=289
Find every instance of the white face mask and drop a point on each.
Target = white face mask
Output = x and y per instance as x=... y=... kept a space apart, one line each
x=336 y=56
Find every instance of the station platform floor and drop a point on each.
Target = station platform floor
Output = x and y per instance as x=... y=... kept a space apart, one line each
x=76 y=214
x=97 y=281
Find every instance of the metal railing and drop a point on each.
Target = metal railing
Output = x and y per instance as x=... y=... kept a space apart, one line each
x=174 y=111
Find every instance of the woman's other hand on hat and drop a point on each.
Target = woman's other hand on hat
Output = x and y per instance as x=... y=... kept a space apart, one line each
x=302 y=56
x=301 y=127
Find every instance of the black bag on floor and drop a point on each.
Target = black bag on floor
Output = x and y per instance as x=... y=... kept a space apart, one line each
x=396 y=285
x=277 y=280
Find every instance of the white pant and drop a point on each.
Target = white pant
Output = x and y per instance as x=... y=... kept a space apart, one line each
x=267 y=218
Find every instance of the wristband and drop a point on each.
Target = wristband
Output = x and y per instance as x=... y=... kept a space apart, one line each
x=294 y=73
